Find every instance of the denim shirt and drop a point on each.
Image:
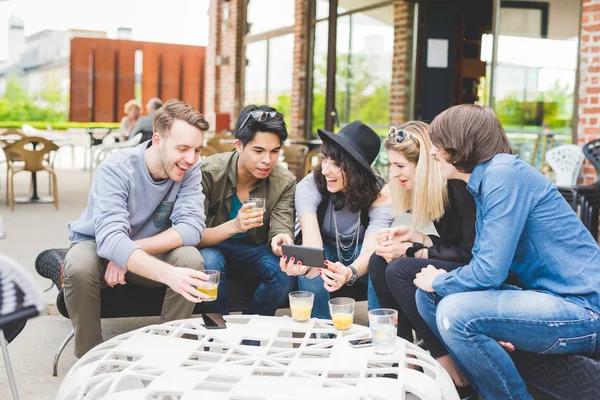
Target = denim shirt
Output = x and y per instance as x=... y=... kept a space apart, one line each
x=524 y=225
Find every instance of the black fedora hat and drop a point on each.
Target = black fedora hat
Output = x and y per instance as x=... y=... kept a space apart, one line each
x=360 y=141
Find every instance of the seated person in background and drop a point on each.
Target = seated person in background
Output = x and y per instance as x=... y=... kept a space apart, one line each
x=132 y=111
x=144 y=123
x=341 y=206
x=525 y=226
x=240 y=240
x=417 y=185
x=144 y=215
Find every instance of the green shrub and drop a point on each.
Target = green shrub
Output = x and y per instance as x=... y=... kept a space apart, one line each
x=58 y=126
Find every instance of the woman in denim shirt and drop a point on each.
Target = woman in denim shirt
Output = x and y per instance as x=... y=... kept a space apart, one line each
x=523 y=226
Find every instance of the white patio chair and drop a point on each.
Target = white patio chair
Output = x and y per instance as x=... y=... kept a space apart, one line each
x=566 y=162
x=102 y=151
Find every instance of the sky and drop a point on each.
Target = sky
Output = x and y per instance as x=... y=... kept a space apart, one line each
x=173 y=21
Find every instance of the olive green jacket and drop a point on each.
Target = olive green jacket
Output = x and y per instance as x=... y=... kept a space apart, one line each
x=219 y=184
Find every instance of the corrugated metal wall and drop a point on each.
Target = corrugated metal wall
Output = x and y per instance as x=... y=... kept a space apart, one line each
x=103 y=76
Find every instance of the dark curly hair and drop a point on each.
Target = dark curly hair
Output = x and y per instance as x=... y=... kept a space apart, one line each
x=362 y=188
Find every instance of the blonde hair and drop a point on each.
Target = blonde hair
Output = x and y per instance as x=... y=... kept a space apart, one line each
x=429 y=196
x=130 y=104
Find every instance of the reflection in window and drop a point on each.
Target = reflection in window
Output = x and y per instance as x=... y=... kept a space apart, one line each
x=319 y=76
x=268 y=15
x=281 y=59
x=255 y=78
x=535 y=74
x=364 y=67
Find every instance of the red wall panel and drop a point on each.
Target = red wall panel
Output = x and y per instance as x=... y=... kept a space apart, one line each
x=103 y=76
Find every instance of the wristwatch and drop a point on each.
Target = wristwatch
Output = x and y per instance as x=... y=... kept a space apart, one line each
x=354 y=276
x=410 y=252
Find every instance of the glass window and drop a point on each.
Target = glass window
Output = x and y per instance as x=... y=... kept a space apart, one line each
x=365 y=44
x=268 y=15
x=255 y=77
x=319 y=84
x=349 y=5
x=281 y=70
x=322 y=10
x=534 y=76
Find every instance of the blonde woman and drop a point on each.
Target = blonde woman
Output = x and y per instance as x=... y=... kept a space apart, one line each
x=132 y=111
x=418 y=186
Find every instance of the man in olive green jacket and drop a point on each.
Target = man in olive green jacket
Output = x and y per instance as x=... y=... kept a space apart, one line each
x=242 y=238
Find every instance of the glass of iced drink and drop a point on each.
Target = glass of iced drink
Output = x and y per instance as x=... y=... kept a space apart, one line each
x=383 y=323
x=210 y=287
x=342 y=312
x=301 y=304
x=259 y=204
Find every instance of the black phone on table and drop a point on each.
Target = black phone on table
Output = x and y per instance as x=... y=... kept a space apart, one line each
x=311 y=256
x=214 y=321
x=361 y=342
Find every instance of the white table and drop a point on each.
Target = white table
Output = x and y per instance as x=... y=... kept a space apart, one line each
x=183 y=360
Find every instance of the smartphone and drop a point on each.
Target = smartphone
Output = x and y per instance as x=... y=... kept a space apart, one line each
x=312 y=256
x=214 y=321
x=366 y=342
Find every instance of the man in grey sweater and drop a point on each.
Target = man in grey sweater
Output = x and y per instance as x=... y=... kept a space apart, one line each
x=145 y=214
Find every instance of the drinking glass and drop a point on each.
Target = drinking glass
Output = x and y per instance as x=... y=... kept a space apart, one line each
x=210 y=287
x=342 y=312
x=383 y=323
x=301 y=304
x=259 y=204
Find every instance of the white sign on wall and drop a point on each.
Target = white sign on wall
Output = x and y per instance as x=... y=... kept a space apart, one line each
x=437 y=53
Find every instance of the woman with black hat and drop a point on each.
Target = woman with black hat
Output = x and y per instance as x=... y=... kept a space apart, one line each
x=341 y=206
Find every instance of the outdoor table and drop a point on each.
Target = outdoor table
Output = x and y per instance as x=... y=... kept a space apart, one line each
x=255 y=357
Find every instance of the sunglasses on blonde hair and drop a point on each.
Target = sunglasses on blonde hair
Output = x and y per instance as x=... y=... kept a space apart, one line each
x=399 y=136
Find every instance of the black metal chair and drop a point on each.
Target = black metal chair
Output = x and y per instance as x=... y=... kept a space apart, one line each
x=20 y=300
x=573 y=194
x=589 y=211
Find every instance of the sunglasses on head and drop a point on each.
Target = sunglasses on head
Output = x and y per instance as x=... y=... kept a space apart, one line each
x=399 y=136
x=261 y=116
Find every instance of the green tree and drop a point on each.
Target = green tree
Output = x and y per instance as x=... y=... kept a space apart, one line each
x=18 y=106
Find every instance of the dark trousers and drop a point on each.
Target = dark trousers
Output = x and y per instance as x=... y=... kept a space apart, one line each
x=395 y=289
x=256 y=264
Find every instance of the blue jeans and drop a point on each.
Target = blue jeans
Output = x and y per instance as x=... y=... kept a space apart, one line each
x=255 y=264
x=316 y=285
x=471 y=323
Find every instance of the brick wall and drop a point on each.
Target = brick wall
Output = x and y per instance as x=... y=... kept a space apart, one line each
x=225 y=41
x=299 y=84
x=403 y=37
x=211 y=74
x=589 y=81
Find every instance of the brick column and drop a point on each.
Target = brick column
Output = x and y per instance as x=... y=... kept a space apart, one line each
x=224 y=58
x=403 y=38
x=588 y=128
x=211 y=74
x=299 y=84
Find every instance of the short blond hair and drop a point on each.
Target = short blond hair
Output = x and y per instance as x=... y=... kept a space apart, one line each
x=429 y=196
x=177 y=109
x=130 y=104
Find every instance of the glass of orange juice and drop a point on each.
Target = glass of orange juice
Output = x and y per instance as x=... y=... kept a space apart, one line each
x=210 y=287
x=301 y=304
x=342 y=312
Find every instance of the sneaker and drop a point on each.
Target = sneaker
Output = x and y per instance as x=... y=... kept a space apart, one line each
x=466 y=392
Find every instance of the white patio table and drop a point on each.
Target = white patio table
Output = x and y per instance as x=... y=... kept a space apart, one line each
x=182 y=360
